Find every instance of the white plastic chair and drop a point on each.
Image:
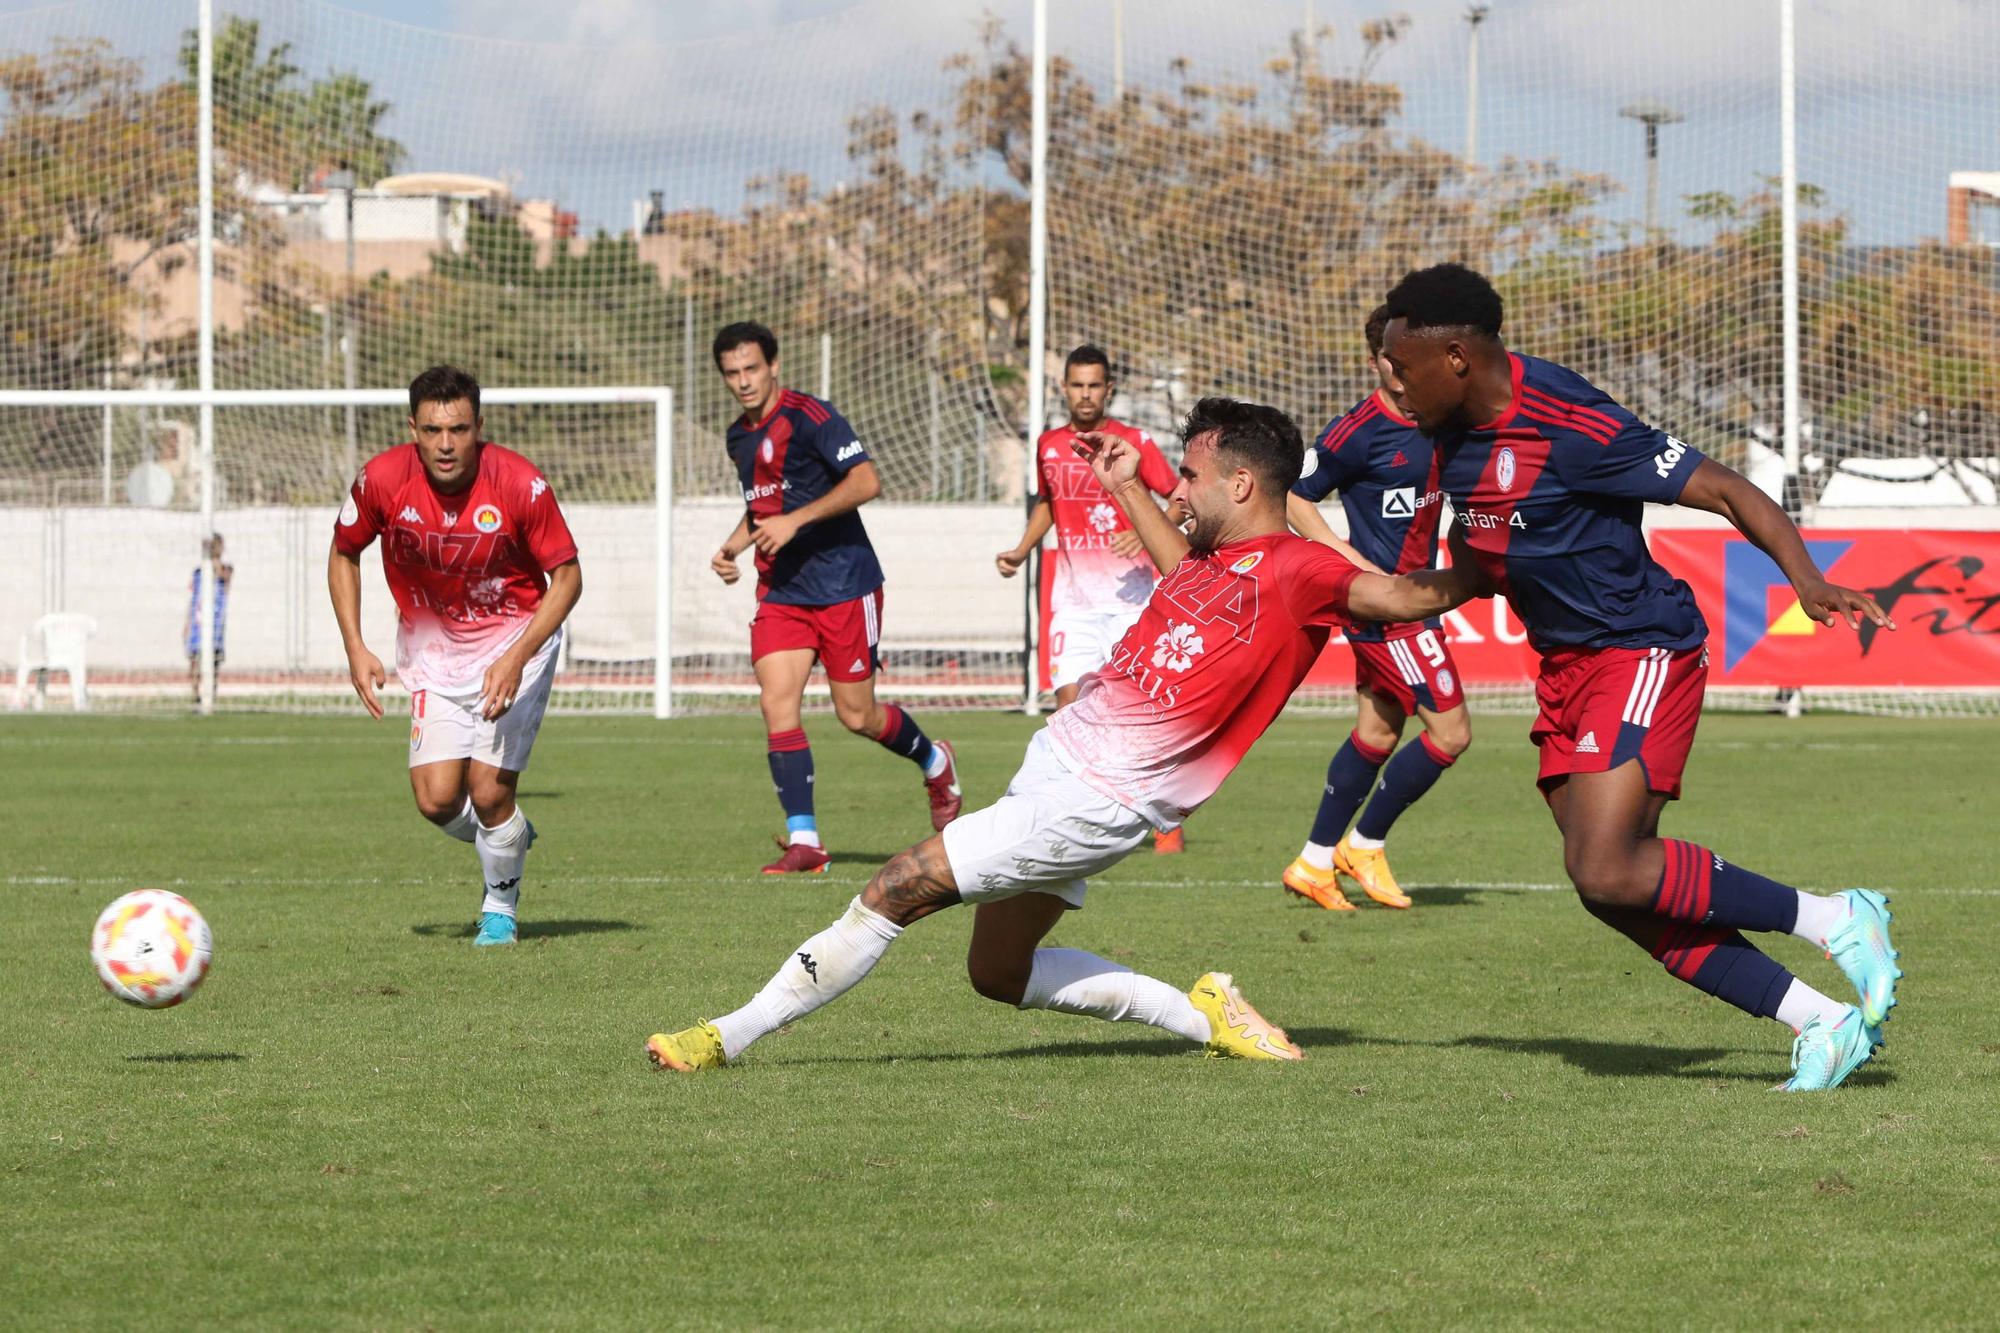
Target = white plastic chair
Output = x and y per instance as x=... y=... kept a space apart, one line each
x=55 y=643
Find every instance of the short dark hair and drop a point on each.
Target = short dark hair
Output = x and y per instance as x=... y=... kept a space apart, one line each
x=732 y=336
x=1261 y=438
x=1445 y=296
x=443 y=384
x=1378 y=322
x=1090 y=354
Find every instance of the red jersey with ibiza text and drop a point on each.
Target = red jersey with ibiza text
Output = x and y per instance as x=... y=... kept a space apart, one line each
x=1225 y=639
x=467 y=570
x=1090 y=576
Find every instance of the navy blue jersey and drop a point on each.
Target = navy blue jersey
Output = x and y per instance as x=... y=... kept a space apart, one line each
x=796 y=454
x=1386 y=471
x=1550 y=496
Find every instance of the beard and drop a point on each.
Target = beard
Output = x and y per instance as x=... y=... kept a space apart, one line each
x=1202 y=536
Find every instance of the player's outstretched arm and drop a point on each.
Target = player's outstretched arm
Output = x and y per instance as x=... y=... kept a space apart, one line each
x=1415 y=596
x=364 y=669
x=1308 y=522
x=1040 y=519
x=503 y=679
x=861 y=484
x=1115 y=462
x=1724 y=491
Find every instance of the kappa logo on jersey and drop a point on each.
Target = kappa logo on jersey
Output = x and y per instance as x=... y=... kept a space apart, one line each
x=1666 y=462
x=1311 y=464
x=1588 y=745
x=1399 y=502
x=847 y=451
x=486 y=518
x=1103 y=517
x=1503 y=471
x=410 y=515
x=1052 y=453
x=1176 y=649
x=535 y=489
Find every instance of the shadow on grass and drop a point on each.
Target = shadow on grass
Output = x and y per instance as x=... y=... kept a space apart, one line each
x=538 y=795
x=1613 y=1059
x=184 y=1058
x=1311 y=1039
x=530 y=930
x=1426 y=895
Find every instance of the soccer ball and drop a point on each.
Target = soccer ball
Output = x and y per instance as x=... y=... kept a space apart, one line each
x=151 y=948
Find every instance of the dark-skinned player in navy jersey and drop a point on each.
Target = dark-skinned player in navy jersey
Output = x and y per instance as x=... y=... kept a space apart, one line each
x=1549 y=477
x=819 y=587
x=1386 y=472
x=1227 y=635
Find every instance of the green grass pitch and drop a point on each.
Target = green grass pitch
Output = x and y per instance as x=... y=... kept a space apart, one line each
x=1509 y=1116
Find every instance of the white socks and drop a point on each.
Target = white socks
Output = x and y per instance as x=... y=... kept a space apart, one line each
x=1819 y=918
x=1361 y=844
x=1317 y=855
x=1071 y=981
x=463 y=825
x=502 y=853
x=1802 y=1002
x=819 y=972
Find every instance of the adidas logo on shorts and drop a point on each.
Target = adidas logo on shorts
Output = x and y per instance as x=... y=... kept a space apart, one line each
x=1588 y=745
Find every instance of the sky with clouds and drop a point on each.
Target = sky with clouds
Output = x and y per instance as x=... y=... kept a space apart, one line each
x=597 y=101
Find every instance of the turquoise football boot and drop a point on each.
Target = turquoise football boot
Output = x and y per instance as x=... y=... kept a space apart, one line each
x=1861 y=948
x=1826 y=1053
x=494 y=928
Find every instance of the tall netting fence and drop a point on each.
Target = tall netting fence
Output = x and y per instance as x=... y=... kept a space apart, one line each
x=544 y=215
x=1232 y=189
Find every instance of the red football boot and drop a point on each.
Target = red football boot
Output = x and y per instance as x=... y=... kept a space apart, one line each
x=946 y=799
x=799 y=859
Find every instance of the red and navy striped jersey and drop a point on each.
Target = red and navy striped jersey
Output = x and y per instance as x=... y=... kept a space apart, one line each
x=1550 y=495
x=796 y=454
x=1386 y=471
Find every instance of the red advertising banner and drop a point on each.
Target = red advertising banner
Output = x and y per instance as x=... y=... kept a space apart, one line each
x=1941 y=587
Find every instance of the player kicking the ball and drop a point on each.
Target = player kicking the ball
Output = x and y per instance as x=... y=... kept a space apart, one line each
x=1548 y=477
x=1387 y=474
x=819 y=586
x=484 y=572
x=1103 y=577
x=1222 y=643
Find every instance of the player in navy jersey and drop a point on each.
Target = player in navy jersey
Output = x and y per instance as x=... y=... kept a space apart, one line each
x=1549 y=477
x=819 y=587
x=1386 y=472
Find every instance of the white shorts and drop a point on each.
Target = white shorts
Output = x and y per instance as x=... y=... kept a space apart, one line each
x=445 y=724
x=1081 y=641
x=1045 y=835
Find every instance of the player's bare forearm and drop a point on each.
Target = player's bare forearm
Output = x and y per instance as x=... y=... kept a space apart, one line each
x=343 y=584
x=738 y=539
x=861 y=484
x=1040 y=519
x=1721 y=490
x=565 y=588
x=1416 y=596
x=1166 y=546
x=1308 y=522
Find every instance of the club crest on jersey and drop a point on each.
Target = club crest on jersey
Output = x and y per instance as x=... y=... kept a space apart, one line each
x=1244 y=566
x=1444 y=682
x=486 y=518
x=1176 y=649
x=769 y=451
x=1503 y=470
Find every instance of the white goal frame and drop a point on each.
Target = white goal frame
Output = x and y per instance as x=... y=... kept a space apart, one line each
x=205 y=400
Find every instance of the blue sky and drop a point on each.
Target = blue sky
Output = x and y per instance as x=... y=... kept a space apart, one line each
x=595 y=102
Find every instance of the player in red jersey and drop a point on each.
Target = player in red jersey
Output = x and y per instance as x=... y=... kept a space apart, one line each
x=1548 y=476
x=1103 y=577
x=805 y=476
x=1224 y=640
x=484 y=572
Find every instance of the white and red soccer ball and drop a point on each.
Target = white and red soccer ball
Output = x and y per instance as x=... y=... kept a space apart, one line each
x=151 y=948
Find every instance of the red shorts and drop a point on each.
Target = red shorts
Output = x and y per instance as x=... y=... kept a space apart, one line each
x=846 y=635
x=1603 y=706
x=1416 y=671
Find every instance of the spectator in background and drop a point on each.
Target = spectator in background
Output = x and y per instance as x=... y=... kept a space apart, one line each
x=191 y=626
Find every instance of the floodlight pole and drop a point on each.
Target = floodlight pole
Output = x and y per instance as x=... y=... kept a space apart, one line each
x=1038 y=263
x=207 y=591
x=1475 y=14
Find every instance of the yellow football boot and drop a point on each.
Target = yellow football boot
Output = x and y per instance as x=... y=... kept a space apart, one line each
x=1315 y=885
x=688 y=1050
x=1370 y=869
x=1235 y=1027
